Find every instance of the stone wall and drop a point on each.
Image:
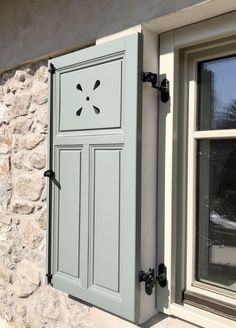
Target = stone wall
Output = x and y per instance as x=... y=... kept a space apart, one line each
x=25 y=300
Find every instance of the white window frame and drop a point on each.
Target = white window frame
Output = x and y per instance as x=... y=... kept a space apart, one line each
x=221 y=49
x=207 y=33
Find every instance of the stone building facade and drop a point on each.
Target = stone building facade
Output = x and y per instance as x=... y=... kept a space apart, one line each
x=25 y=300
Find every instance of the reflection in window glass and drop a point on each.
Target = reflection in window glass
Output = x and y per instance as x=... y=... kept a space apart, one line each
x=216 y=214
x=217 y=94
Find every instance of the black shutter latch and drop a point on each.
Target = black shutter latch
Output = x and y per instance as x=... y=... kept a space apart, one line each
x=49 y=174
x=150 y=279
x=162 y=278
x=163 y=87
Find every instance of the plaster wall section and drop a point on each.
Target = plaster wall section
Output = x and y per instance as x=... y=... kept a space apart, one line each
x=34 y=29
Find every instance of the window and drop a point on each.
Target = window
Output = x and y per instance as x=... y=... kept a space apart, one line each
x=216 y=168
x=198 y=136
x=211 y=167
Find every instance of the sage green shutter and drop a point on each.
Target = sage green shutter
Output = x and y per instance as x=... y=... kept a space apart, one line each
x=95 y=145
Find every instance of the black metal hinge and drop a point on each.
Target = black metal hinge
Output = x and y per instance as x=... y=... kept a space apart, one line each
x=52 y=69
x=49 y=278
x=163 y=87
x=150 y=279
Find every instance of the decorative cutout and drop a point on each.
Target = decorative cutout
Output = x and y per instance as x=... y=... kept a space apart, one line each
x=96 y=109
x=96 y=85
x=79 y=111
x=79 y=87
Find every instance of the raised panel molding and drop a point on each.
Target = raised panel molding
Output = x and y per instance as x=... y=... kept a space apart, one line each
x=91 y=97
x=105 y=189
x=68 y=209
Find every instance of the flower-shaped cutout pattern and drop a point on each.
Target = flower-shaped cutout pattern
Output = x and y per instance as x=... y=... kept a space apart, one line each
x=95 y=108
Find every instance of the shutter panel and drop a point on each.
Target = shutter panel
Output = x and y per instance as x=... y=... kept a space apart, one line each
x=94 y=237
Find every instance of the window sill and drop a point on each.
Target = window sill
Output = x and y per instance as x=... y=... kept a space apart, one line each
x=200 y=317
x=209 y=304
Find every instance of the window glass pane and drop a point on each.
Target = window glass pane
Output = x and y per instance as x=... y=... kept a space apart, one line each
x=217 y=94
x=216 y=213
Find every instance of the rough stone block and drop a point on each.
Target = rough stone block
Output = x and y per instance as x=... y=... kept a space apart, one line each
x=16 y=143
x=5 y=192
x=20 y=125
x=5 y=273
x=32 y=140
x=42 y=74
x=46 y=305
x=41 y=219
x=20 y=76
x=7 y=314
x=37 y=258
x=29 y=186
x=17 y=254
x=4 y=113
x=4 y=165
x=8 y=99
x=20 y=310
x=2 y=284
x=5 y=218
x=21 y=105
x=40 y=94
x=3 y=296
x=18 y=325
x=4 y=149
x=43 y=117
x=38 y=160
x=23 y=288
x=8 y=136
x=30 y=233
x=5 y=248
x=29 y=271
x=4 y=232
x=17 y=160
x=21 y=207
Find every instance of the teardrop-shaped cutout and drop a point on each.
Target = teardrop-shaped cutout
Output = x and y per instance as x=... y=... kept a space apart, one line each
x=96 y=109
x=79 y=111
x=96 y=85
x=79 y=87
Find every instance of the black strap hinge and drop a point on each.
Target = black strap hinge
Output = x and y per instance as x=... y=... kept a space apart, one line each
x=49 y=174
x=52 y=69
x=150 y=279
x=163 y=87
